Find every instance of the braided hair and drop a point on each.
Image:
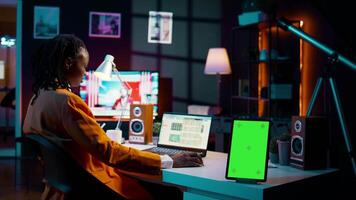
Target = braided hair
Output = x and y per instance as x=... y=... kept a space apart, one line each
x=49 y=62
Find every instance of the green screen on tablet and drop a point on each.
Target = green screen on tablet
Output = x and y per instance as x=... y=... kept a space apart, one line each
x=247 y=158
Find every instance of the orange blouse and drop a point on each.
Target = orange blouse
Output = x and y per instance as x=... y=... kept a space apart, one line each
x=66 y=119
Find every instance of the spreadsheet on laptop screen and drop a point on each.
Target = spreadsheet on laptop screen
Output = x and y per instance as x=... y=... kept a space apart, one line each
x=190 y=131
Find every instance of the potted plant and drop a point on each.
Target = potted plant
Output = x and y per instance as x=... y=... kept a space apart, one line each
x=273 y=150
x=156 y=130
x=283 y=142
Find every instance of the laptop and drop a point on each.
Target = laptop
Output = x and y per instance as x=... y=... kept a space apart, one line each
x=183 y=133
x=247 y=158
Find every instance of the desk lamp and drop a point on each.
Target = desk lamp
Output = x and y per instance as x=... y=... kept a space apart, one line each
x=104 y=72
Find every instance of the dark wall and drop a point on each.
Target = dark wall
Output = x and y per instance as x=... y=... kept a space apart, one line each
x=8 y=21
x=333 y=28
x=74 y=19
x=196 y=28
x=339 y=16
x=328 y=19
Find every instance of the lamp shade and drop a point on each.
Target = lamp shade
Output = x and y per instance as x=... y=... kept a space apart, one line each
x=105 y=68
x=217 y=62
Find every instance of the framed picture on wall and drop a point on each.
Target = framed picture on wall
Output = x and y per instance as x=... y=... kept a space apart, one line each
x=46 y=22
x=103 y=24
x=160 y=27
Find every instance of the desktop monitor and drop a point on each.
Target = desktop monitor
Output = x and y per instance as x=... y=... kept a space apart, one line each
x=247 y=159
x=113 y=97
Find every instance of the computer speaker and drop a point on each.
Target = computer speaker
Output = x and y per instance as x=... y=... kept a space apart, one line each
x=309 y=142
x=141 y=123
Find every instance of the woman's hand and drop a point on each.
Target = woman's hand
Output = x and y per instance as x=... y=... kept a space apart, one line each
x=187 y=160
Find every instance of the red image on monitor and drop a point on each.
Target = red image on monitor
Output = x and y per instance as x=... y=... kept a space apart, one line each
x=113 y=97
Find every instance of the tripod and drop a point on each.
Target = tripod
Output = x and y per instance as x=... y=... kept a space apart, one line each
x=335 y=94
x=334 y=57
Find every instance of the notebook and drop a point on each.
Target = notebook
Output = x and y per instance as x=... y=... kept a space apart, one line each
x=182 y=133
x=247 y=158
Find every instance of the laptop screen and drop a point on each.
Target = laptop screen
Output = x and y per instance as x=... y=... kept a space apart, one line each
x=247 y=158
x=184 y=130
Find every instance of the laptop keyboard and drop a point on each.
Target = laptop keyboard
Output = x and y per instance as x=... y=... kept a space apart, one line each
x=168 y=151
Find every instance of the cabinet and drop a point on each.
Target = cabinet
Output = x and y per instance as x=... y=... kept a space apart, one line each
x=266 y=63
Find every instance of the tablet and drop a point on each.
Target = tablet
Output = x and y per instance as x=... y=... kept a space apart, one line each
x=247 y=158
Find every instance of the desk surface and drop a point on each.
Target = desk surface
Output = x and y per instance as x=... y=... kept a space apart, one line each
x=111 y=119
x=211 y=178
x=209 y=181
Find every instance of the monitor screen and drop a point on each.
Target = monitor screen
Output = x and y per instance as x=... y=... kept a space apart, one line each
x=247 y=158
x=113 y=97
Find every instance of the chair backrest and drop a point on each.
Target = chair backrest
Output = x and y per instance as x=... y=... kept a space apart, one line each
x=65 y=174
x=59 y=168
x=9 y=99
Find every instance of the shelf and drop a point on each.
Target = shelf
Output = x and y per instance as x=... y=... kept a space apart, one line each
x=249 y=98
x=260 y=26
x=259 y=82
x=257 y=62
x=245 y=62
x=5 y=89
x=263 y=25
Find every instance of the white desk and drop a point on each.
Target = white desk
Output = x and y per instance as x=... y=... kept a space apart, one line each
x=208 y=182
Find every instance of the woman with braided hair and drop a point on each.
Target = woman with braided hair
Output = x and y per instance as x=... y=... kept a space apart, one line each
x=63 y=117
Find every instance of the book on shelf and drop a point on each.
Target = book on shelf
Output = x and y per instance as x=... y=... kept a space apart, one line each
x=244 y=87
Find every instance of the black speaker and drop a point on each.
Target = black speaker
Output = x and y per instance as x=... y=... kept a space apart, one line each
x=309 y=142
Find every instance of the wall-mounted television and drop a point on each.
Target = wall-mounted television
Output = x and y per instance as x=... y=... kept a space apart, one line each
x=112 y=98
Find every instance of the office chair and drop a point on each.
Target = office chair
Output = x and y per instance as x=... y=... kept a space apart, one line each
x=57 y=166
x=7 y=102
x=63 y=173
x=23 y=173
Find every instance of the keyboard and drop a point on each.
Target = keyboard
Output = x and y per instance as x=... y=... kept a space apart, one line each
x=168 y=151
